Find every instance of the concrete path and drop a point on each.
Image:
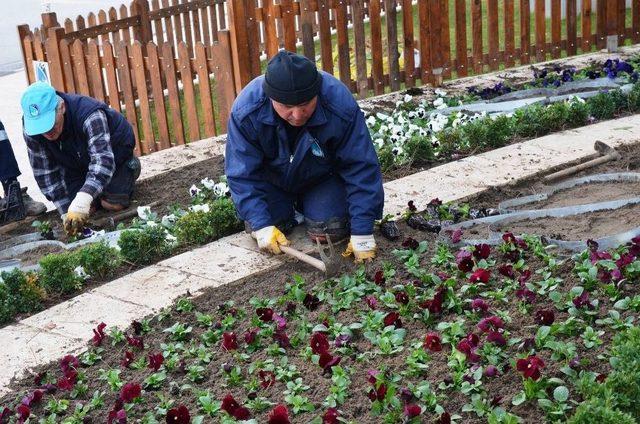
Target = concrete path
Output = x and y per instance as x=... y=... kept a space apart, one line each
x=66 y=327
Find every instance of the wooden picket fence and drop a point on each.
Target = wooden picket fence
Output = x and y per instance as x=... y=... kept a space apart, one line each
x=175 y=66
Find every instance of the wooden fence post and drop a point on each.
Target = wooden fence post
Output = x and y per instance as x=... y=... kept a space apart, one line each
x=23 y=31
x=49 y=20
x=142 y=33
x=54 y=38
x=612 y=26
x=239 y=43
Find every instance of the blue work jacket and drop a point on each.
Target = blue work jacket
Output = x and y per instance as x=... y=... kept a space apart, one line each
x=334 y=141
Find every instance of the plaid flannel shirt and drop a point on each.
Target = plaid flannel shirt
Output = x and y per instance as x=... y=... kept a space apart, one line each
x=50 y=175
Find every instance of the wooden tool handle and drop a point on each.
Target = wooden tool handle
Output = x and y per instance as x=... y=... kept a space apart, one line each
x=575 y=169
x=316 y=263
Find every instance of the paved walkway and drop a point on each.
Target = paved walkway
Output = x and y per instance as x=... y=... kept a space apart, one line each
x=66 y=328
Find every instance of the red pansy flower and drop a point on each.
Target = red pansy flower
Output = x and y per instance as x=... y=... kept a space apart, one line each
x=507 y=271
x=481 y=251
x=98 y=334
x=267 y=378
x=265 y=314
x=410 y=243
x=155 y=361
x=464 y=260
x=279 y=415
x=330 y=417
x=233 y=408
x=490 y=323
x=480 y=275
x=179 y=415
x=479 y=305
x=544 y=317
x=311 y=302
x=393 y=318
x=128 y=359
x=130 y=392
x=401 y=297
x=412 y=410
x=229 y=341
x=530 y=367
x=378 y=278
x=319 y=343
x=432 y=342
x=135 y=341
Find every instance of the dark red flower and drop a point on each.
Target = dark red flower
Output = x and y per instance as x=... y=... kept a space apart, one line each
x=625 y=260
x=491 y=371
x=445 y=418
x=481 y=251
x=267 y=378
x=490 y=323
x=479 y=305
x=68 y=381
x=401 y=297
x=69 y=363
x=464 y=260
x=250 y=336
x=311 y=302
x=330 y=417
x=592 y=245
x=432 y=342
x=524 y=276
x=468 y=346
x=179 y=415
x=507 y=271
x=600 y=378
x=509 y=238
x=496 y=338
x=378 y=278
x=229 y=341
x=5 y=413
x=265 y=314
x=233 y=408
x=435 y=202
x=135 y=341
x=582 y=301
x=23 y=412
x=128 y=359
x=327 y=361
x=411 y=206
x=130 y=392
x=32 y=398
x=480 y=275
x=378 y=393
x=435 y=305
x=412 y=410
x=410 y=243
x=456 y=236
x=544 y=317
x=526 y=295
x=393 y=318
x=372 y=302
x=155 y=361
x=118 y=416
x=98 y=334
x=530 y=367
x=596 y=256
x=319 y=343
x=279 y=415
x=137 y=327
x=282 y=339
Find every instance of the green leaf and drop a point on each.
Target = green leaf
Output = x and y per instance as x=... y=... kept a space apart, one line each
x=519 y=398
x=561 y=394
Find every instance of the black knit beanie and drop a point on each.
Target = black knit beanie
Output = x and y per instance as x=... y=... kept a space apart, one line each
x=291 y=79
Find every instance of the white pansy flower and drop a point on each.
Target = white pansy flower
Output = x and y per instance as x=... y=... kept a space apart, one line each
x=401 y=120
x=371 y=121
x=378 y=142
x=151 y=224
x=80 y=272
x=221 y=189
x=438 y=102
x=407 y=98
x=169 y=220
x=170 y=238
x=397 y=150
x=194 y=191
x=200 y=208
x=382 y=116
x=207 y=182
x=144 y=213
x=440 y=92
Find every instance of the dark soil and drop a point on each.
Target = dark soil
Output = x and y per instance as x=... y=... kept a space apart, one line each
x=358 y=407
x=593 y=225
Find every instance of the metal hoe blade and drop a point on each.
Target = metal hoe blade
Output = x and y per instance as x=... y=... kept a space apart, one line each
x=329 y=258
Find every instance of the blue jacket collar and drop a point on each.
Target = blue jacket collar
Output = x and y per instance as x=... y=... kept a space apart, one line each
x=267 y=115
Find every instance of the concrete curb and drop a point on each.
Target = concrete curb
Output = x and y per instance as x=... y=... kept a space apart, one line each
x=66 y=327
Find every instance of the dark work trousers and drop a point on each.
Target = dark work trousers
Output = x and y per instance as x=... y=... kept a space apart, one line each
x=8 y=166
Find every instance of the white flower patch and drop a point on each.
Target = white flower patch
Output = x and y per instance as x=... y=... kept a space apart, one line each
x=221 y=189
x=168 y=221
x=440 y=92
x=438 y=102
x=208 y=183
x=194 y=191
x=145 y=214
x=407 y=98
x=371 y=121
x=151 y=224
x=80 y=272
x=170 y=238
x=200 y=208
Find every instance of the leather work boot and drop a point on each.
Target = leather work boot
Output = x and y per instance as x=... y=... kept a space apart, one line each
x=31 y=207
x=337 y=229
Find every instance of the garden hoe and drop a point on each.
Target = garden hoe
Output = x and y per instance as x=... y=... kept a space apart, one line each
x=330 y=263
x=607 y=153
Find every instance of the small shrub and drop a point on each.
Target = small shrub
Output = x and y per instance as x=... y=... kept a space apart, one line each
x=488 y=132
x=633 y=99
x=57 y=273
x=98 y=259
x=419 y=149
x=451 y=140
x=578 y=114
x=595 y=411
x=202 y=227
x=224 y=216
x=529 y=121
x=144 y=246
x=555 y=117
x=603 y=106
x=7 y=306
x=23 y=287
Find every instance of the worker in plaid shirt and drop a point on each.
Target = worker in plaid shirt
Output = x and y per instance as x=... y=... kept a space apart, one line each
x=81 y=152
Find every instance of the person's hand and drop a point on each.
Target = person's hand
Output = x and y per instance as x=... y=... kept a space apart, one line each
x=363 y=248
x=77 y=214
x=270 y=239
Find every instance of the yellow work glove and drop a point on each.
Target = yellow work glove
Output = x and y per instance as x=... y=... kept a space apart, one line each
x=363 y=248
x=270 y=239
x=78 y=214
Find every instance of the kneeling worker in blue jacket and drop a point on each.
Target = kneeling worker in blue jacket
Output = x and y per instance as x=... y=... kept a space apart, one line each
x=297 y=143
x=81 y=152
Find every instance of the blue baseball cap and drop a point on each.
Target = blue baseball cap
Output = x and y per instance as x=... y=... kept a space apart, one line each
x=39 y=103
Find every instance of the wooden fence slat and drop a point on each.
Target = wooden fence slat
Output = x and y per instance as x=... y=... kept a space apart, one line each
x=307 y=20
x=80 y=69
x=91 y=21
x=392 y=43
x=289 y=23
x=601 y=23
x=494 y=40
x=148 y=144
x=168 y=25
x=476 y=29
x=269 y=24
x=541 y=35
x=102 y=19
x=635 y=21
x=126 y=33
x=409 y=45
x=52 y=47
x=325 y=36
x=115 y=35
x=160 y=111
x=27 y=43
x=122 y=60
x=525 y=32
x=188 y=29
x=344 y=65
x=186 y=76
x=253 y=45
x=377 y=71
x=572 y=23
x=169 y=68
x=68 y=25
x=80 y=23
x=509 y=34
x=38 y=49
x=586 y=26
x=112 y=80
x=204 y=85
x=197 y=33
x=204 y=21
x=157 y=24
x=425 y=41
x=67 y=66
x=445 y=38
x=223 y=73
x=213 y=21
x=556 y=28
x=94 y=69
x=223 y=17
x=620 y=19
x=360 y=48
x=177 y=24
x=461 y=39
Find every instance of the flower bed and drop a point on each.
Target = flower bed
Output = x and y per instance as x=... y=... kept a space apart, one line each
x=422 y=333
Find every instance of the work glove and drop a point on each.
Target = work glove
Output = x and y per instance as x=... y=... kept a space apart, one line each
x=270 y=239
x=363 y=248
x=77 y=214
